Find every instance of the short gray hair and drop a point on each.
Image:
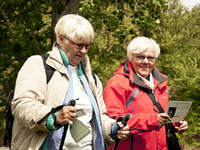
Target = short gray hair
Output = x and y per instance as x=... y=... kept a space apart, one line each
x=141 y=44
x=75 y=28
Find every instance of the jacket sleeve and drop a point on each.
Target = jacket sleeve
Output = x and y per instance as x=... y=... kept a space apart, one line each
x=29 y=98
x=107 y=122
x=115 y=96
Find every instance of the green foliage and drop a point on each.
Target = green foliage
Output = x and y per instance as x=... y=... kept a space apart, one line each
x=26 y=29
x=24 y=32
x=180 y=60
x=116 y=23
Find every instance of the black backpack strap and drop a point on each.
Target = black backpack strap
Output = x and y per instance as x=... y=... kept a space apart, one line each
x=9 y=120
x=8 y=112
x=131 y=148
x=95 y=78
x=49 y=73
x=48 y=69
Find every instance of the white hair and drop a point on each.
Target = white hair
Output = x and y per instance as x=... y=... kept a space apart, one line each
x=75 y=28
x=141 y=44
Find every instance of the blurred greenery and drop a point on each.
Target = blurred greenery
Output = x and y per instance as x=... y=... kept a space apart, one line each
x=180 y=60
x=26 y=29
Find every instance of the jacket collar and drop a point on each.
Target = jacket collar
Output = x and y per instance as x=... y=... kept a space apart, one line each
x=131 y=74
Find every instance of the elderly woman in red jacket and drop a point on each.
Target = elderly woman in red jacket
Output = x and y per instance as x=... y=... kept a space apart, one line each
x=126 y=92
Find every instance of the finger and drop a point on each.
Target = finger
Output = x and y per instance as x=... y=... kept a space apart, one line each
x=177 y=128
x=180 y=130
x=126 y=128
x=120 y=124
x=163 y=119
x=70 y=116
x=68 y=120
x=122 y=136
x=64 y=117
x=164 y=115
x=69 y=109
x=123 y=132
x=64 y=121
x=183 y=124
x=184 y=128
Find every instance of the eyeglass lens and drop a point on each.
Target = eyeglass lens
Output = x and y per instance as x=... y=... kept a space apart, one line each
x=142 y=58
x=80 y=46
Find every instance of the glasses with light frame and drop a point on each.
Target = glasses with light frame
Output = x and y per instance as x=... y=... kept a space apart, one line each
x=80 y=46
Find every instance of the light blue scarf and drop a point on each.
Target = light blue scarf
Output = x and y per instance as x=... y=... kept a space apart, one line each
x=54 y=138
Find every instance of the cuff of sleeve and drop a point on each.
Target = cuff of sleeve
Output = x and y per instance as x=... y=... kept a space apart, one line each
x=50 y=122
x=114 y=130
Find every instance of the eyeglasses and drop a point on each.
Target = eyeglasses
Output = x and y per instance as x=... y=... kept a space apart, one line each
x=142 y=58
x=80 y=46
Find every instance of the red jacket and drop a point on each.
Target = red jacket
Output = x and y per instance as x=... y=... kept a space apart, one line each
x=123 y=94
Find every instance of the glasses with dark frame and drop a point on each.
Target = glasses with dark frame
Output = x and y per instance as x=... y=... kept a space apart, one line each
x=142 y=58
x=80 y=46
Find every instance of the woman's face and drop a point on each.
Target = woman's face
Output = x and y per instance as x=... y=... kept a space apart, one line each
x=143 y=63
x=74 y=51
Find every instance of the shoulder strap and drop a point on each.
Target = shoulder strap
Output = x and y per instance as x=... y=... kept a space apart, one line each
x=95 y=78
x=153 y=98
x=48 y=69
x=9 y=120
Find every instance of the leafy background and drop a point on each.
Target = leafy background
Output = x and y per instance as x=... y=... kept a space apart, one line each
x=27 y=28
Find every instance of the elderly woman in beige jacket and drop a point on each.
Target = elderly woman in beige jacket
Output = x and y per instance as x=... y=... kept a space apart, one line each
x=35 y=125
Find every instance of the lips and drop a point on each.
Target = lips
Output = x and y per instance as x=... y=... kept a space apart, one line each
x=78 y=56
x=144 y=67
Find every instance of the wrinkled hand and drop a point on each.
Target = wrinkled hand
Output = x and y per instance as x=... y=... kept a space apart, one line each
x=181 y=126
x=66 y=115
x=124 y=132
x=163 y=119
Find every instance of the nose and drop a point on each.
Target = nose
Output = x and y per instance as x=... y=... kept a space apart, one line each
x=145 y=60
x=84 y=50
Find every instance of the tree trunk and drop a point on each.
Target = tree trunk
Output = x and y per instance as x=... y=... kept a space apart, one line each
x=60 y=8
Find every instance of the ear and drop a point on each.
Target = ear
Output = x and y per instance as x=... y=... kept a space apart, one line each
x=60 y=38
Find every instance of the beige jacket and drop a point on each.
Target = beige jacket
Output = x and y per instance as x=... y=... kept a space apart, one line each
x=33 y=99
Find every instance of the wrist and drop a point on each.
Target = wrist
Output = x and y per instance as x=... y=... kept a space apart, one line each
x=114 y=129
x=56 y=124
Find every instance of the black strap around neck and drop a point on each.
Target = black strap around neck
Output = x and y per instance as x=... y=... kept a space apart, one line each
x=153 y=99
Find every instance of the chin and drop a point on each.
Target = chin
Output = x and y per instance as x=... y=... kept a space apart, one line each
x=144 y=75
x=74 y=64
